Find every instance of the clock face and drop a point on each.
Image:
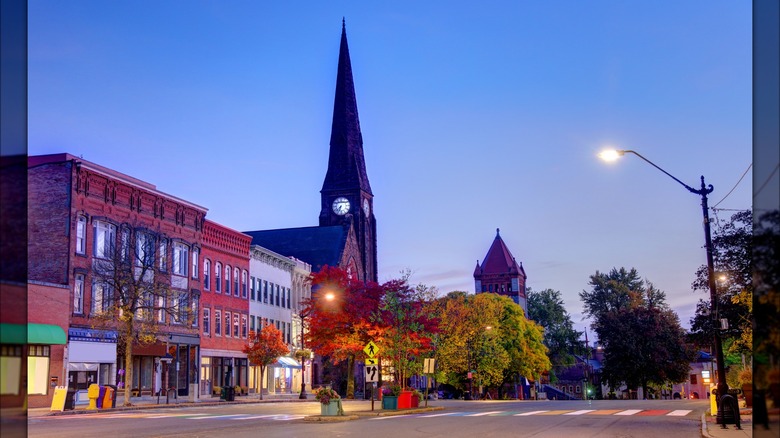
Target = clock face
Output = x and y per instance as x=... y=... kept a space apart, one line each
x=366 y=208
x=341 y=206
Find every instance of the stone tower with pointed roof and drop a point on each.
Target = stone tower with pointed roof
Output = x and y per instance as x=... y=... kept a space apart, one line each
x=500 y=273
x=346 y=195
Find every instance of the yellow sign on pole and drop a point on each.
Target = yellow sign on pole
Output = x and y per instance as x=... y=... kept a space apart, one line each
x=371 y=349
x=372 y=361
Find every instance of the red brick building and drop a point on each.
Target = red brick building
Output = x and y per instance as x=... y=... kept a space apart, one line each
x=82 y=215
x=224 y=307
x=501 y=274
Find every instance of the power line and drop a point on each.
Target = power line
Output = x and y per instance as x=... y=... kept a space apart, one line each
x=771 y=175
x=735 y=186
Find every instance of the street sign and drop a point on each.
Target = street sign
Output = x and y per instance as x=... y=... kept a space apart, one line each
x=371 y=349
x=428 y=366
x=372 y=373
x=372 y=361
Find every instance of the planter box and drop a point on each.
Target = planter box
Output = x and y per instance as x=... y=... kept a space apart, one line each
x=390 y=402
x=405 y=400
x=331 y=408
x=415 y=401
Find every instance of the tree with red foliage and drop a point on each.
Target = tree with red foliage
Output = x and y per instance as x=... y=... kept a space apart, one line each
x=263 y=348
x=342 y=325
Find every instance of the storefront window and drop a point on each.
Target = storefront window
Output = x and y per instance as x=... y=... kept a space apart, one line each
x=37 y=369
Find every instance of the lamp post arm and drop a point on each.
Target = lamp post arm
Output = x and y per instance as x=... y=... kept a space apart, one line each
x=690 y=189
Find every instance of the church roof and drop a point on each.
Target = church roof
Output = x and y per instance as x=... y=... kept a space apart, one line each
x=499 y=260
x=318 y=246
x=346 y=140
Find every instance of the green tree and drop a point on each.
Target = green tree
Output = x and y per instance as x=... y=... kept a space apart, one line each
x=562 y=341
x=643 y=341
x=732 y=244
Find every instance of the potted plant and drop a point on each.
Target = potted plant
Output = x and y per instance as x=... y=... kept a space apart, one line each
x=417 y=398
x=390 y=396
x=330 y=401
x=746 y=380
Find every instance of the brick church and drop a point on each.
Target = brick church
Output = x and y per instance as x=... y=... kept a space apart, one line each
x=346 y=234
x=500 y=273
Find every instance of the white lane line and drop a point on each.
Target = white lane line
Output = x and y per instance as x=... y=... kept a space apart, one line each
x=483 y=414
x=629 y=412
x=216 y=416
x=679 y=413
x=389 y=416
x=437 y=415
x=580 y=412
x=530 y=413
x=253 y=417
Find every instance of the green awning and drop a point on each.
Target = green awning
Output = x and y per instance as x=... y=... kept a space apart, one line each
x=46 y=334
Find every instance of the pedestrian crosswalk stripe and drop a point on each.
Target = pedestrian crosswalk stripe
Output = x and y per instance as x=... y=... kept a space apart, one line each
x=481 y=414
x=580 y=412
x=208 y=417
x=604 y=412
x=629 y=412
x=437 y=415
x=679 y=413
x=523 y=414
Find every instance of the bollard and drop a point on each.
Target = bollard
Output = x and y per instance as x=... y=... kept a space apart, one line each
x=93 y=392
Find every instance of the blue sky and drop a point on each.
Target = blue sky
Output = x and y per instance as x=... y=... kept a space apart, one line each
x=474 y=117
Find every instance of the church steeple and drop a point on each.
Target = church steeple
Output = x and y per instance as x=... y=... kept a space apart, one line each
x=346 y=165
x=501 y=273
x=346 y=195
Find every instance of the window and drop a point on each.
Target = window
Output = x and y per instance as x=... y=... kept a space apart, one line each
x=277 y=294
x=694 y=379
x=194 y=263
x=243 y=326
x=218 y=277
x=228 y=274
x=124 y=244
x=180 y=258
x=243 y=284
x=144 y=249
x=218 y=322
x=161 y=309
x=81 y=235
x=265 y=291
x=235 y=325
x=101 y=297
x=105 y=239
x=206 y=321
x=227 y=323
x=163 y=254
x=236 y=290
x=251 y=323
x=206 y=274
x=37 y=369
x=289 y=298
x=194 y=310
x=144 y=309
x=252 y=288
x=78 y=295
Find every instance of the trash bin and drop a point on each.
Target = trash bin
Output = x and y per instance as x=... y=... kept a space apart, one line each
x=109 y=398
x=101 y=396
x=230 y=393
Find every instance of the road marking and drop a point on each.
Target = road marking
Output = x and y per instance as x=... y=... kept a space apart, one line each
x=580 y=412
x=216 y=416
x=253 y=417
x=604 y=412
x=484 y=413
x=559 y=412
x=529 y=413
x=629 y=412
x=653 y=412
x=679 y=413
x=390 y=416
x=437 y=415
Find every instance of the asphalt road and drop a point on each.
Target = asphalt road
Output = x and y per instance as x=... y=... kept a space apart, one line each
x=568 y=419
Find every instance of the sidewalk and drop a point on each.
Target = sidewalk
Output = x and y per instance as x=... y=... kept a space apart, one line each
x=709 y=428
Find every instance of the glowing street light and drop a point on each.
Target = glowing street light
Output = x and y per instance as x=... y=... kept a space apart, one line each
x=612 y=155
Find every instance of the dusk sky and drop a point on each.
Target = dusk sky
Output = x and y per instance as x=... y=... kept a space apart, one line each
x=475 y=116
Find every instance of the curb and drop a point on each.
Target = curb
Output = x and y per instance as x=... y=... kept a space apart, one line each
x=330 y=418
x=704 y=432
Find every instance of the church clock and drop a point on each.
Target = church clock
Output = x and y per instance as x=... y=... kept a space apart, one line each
x=341 y=206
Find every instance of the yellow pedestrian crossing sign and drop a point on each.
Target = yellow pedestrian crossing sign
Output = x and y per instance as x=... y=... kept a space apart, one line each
x=371 y=349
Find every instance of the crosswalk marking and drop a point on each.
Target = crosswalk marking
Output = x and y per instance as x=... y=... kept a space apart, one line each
x=523 y=414
x=629 y=412
x=580 y=412
x=209 y=417
x=679 y=413
x=437 y=415
x=484 y=413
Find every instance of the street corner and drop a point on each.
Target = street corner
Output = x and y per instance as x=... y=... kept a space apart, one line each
x=330 y=418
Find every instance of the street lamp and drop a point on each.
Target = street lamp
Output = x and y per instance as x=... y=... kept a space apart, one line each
x=302 y=315
x=723 y=388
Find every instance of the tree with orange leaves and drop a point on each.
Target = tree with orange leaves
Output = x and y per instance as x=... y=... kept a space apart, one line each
x=263 y=348
x=340 y=318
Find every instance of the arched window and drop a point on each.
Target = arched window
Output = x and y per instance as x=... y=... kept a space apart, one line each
x=218 y=277
x=206 y=274
x=244 y=284
x=228 y=274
